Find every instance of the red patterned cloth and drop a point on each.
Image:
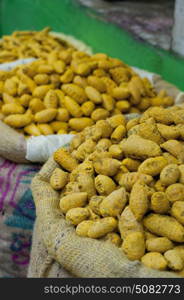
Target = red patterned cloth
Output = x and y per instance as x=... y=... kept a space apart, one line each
x=17 y=215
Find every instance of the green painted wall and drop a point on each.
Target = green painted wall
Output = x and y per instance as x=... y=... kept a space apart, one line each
x=67 y=16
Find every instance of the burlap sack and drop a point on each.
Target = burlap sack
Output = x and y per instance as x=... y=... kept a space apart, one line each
x=160 y=84
x=59 y=252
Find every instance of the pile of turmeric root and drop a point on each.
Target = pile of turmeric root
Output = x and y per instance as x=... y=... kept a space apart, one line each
x=26 y=44
x=66 y=90
x=123 y=181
